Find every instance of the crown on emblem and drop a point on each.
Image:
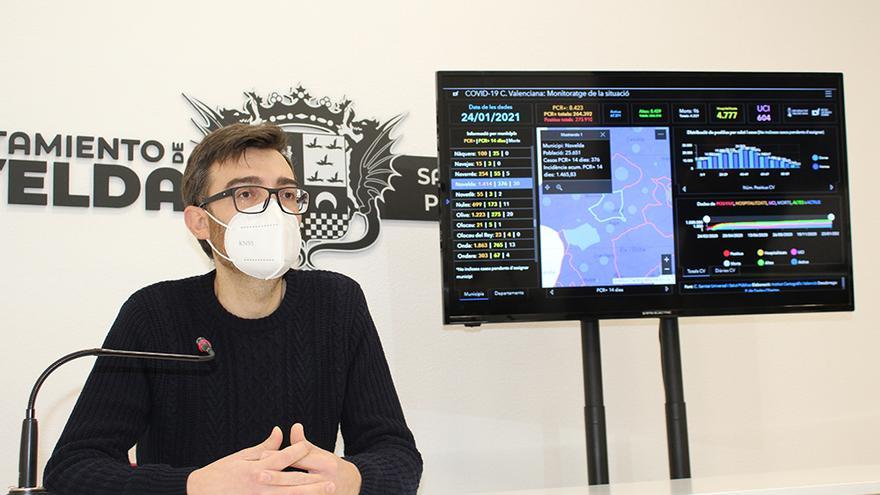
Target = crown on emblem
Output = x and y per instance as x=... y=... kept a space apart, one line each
x=299 y=106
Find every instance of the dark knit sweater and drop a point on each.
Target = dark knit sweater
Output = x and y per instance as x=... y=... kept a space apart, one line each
x=316 y=360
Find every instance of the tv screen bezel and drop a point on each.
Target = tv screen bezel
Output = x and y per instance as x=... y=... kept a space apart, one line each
x=639 y=304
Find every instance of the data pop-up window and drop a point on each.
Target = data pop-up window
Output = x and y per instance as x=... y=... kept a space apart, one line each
x=574 y=161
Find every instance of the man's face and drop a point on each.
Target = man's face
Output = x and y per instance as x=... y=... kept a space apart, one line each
x=261 y=167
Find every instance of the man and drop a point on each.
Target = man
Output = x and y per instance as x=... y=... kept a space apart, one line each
x=296 y=351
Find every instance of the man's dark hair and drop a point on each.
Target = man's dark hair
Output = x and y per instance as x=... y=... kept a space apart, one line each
x=226 y=143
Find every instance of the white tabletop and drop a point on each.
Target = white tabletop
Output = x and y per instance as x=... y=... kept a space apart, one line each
x=844 y=480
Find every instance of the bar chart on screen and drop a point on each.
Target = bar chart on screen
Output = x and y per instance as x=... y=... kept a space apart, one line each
x=744 y=157
x=755 y=161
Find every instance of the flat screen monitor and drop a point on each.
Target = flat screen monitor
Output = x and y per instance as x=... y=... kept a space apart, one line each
x=579 y=195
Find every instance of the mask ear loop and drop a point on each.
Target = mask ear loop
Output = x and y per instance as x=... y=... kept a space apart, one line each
x=209 y=240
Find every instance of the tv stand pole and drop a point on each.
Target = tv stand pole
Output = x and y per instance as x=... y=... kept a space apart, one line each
x=676 y=417
x=594 y=411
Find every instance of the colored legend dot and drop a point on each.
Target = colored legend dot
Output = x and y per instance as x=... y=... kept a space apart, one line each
x=793 y=251
x=815 y=157
x=760 y=262
x=760 y=252
x=726 y=253
x=815 y=166
x=794 y=261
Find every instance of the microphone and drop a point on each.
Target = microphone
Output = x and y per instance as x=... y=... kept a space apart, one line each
x=27 y=455
x=205 y=346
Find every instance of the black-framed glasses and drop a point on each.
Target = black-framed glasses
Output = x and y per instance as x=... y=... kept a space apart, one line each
x=255 y=199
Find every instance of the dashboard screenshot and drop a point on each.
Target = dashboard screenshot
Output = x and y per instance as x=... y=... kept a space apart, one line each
x=567 y=195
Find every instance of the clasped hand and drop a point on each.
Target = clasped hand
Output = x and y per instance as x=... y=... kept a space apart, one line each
x=259 y=470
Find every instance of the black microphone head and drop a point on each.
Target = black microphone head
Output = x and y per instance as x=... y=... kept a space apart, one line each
x=204 y=344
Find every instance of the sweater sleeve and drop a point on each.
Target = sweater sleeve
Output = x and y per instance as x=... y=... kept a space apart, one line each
x=111 y=414
x=377 y=439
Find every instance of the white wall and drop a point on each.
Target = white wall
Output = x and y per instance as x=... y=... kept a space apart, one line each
x=494 y=408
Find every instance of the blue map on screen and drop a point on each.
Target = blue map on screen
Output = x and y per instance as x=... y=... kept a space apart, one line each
x=623 y=236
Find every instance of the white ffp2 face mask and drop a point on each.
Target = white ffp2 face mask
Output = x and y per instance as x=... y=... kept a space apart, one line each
x=263 y=245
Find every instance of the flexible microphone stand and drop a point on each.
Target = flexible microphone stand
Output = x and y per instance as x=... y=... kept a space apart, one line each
x=27 y=455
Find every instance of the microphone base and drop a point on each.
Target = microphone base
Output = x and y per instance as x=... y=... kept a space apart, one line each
x=29 y=491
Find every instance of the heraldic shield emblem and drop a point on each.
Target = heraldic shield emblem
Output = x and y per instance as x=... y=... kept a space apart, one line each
x=322 y=162
x=344 y=163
